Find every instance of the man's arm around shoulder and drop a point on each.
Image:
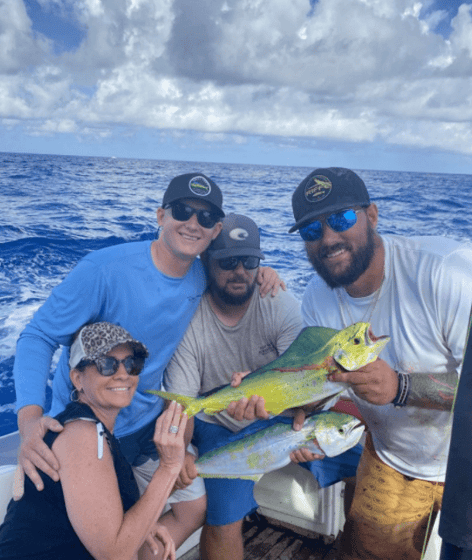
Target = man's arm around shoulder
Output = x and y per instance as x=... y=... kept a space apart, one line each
x=34 y=453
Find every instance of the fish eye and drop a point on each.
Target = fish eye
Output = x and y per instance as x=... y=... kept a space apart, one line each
x=357 y=341
x=341 y=431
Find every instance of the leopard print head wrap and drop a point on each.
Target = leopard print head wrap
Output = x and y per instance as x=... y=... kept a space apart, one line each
x=97 y=339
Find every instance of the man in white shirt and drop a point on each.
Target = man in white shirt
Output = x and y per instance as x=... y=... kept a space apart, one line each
x=419 y=292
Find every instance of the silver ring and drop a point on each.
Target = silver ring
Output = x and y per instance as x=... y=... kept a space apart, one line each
x=173 y=429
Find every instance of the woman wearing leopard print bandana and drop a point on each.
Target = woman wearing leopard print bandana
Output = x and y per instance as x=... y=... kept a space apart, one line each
x=95 y=511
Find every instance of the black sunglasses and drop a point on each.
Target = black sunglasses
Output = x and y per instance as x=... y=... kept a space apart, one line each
x=231 y=263
x=108 y=365
x=183 y=212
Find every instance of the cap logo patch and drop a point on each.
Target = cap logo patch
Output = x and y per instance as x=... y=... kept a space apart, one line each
x=319 y=189
x=238 y=234
x=199 y=186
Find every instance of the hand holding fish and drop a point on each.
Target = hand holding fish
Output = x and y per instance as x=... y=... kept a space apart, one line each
x=246 y=409
x=238 y=376
x=302 y=454
x=188 y=472
x=376 y=383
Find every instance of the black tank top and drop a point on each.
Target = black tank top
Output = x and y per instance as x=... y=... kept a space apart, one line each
x=37 y=526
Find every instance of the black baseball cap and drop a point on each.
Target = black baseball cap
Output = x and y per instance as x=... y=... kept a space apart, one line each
x=239 y=237
x=197 y=186
x=327 y=190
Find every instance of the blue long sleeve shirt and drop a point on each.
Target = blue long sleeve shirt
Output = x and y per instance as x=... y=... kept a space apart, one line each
x=121 y=285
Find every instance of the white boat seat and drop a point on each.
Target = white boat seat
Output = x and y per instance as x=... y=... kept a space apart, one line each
x=6 y=487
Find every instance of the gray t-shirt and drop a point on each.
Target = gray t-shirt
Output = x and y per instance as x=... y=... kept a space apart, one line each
x=210 y=352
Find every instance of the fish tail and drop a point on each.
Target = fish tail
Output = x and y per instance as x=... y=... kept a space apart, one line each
x=192 y=405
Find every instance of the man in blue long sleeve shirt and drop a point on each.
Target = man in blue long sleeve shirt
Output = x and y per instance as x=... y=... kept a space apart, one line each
x=150 y=288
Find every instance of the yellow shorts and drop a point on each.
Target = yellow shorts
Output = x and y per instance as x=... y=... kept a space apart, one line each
x=390 y=512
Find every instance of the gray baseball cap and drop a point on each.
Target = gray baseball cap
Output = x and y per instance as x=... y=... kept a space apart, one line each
x=239 y=237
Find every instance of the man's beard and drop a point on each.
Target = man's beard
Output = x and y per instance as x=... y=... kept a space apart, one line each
x=231 y=299
x=361 y=259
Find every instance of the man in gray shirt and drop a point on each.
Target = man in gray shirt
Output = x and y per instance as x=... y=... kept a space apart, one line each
x=233 y=330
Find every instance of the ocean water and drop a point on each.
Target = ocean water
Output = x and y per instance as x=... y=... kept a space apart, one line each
x=55 y=209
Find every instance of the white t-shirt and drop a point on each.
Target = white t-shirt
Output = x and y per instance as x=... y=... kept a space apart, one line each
x=424 y=306
x=210 y=351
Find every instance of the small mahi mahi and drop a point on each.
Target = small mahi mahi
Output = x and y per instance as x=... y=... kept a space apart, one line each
x=269 y=449
x=299 y=375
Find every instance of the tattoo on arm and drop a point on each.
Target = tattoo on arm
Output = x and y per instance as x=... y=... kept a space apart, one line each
x=433 y=390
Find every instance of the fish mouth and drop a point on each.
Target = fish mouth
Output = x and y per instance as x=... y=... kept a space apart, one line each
x=356 y=428
x=371 y=339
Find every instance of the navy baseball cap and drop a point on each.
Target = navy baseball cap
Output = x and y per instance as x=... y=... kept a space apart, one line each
x=327 y=190
x=196 y=186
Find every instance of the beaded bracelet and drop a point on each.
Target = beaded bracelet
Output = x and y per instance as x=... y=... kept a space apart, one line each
x=403 y=389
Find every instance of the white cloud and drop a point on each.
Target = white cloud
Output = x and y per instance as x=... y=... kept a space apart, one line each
x=51 y=126
x=357 y=71
x=18 y=47
x=461 y=37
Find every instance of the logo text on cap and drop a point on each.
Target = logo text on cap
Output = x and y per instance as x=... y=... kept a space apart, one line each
x=199 y=186
x=318 y=188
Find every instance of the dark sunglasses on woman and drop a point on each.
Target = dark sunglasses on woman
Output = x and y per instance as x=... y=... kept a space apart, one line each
x=183 y=212
x=108 y=365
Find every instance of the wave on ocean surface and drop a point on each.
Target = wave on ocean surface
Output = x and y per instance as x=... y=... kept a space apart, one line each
x=59 y=208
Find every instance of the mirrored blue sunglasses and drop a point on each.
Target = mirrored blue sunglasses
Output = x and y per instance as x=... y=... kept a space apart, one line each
x=338 y=221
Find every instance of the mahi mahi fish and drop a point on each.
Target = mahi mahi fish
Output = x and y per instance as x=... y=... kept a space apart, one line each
x=299 y=375
x=266 y=450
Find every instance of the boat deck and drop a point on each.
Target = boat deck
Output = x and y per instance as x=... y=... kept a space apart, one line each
x=266 y=539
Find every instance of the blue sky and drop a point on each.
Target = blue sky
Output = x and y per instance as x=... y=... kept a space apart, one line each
x=367 y=84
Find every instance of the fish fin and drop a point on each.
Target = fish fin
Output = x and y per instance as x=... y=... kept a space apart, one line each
x=215 y=390
x=300 y=351
x=324 y=333
x=192 y=405
x=311 y=446
x=255 y=477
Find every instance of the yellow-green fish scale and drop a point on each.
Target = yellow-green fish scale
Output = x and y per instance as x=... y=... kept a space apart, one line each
x=298 y=376
x=269 y=448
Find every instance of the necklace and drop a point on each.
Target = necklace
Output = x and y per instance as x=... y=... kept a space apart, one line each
x=345 y=307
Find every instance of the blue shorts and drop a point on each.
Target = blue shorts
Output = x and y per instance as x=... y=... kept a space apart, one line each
x=231 y=499
x=139 y=446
